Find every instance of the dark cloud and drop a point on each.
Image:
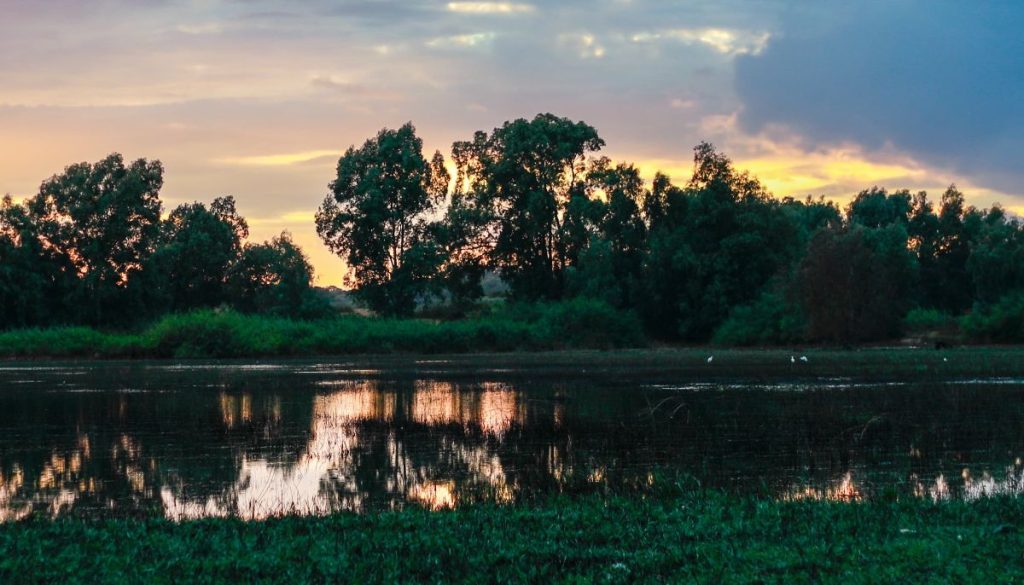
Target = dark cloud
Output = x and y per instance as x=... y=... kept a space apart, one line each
x=942 y=80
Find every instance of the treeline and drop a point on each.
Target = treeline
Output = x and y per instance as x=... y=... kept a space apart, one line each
x=93 y=248
x=717 y=258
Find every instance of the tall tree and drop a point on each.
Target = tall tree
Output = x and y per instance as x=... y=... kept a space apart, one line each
x=855 y=282
x=713 y=245
x=275 y=277
x=996 y=263
x=198 y=246
x=378 y=216
x=32 y=282
x=876 y=207
x=103 y=220
x=525 y=174
x=606 y=226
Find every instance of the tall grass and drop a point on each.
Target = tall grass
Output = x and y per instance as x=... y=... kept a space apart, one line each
x=224 y=334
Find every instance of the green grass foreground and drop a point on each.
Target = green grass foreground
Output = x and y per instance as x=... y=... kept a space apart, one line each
x=226 y=334
x=704 y=539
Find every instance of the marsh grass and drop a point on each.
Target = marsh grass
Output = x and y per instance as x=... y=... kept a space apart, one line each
x=226 y=334
x=704 y=537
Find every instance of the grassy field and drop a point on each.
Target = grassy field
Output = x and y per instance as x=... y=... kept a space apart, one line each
x=705 y=538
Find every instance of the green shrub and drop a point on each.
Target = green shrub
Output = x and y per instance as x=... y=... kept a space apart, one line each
x=926 y=320
x=769 y=320
x=586 y=322
x=68 y=342
x=224 y=334
x=1001 y=322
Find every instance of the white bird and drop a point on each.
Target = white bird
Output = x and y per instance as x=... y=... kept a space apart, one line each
x=945 y=359
x=711 y=357
x=792 y=360
x=803 y=358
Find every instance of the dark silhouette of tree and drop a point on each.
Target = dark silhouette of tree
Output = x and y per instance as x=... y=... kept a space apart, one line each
x=713 y=245
x=876 y=208
x=378 y=214
x=996 y=264
x=101 y=220
x=854 y=283
x=274 y=277
x=942 y=243
x=31 y=278
x=608 y=234
x=198 y=246
x=524 y=175
x=532 y=205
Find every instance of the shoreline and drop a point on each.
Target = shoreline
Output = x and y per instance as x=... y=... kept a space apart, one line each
x=686 y=363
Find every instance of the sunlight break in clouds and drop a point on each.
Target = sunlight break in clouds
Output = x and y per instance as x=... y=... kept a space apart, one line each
x=725 y=41
x=585 y=44
x=462 y=41
x=490 y=7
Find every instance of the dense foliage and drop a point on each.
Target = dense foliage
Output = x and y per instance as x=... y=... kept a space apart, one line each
x=91 y=248
x=663 y=537
x=718 y=258
x=533 y=205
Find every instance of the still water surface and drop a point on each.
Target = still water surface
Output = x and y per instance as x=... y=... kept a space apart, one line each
x=255 y=440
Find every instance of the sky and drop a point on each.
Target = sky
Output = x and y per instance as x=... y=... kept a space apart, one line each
x=259 y=98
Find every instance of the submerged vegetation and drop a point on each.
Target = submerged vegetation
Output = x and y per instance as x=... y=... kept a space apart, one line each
x=662 y=537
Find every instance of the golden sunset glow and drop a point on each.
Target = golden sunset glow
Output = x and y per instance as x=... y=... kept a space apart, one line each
x=259 y=99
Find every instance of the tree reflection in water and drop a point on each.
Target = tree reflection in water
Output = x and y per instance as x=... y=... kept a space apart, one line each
x=221 y=441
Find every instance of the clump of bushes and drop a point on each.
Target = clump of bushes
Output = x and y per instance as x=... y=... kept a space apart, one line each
x=1001 y=322
x=207 y=333
x=769 y=320
x=918 y=321
x=68 y=342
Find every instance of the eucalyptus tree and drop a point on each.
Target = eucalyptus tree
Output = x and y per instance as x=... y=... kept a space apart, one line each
x=378 y=217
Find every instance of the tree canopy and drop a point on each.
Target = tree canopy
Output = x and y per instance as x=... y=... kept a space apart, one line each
x=93 y=248
x=378 y=215
x=533 y=206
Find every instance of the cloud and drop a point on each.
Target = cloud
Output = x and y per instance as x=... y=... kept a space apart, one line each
x=729 y=42
x=939 y=80
x=585 y=45
x=462 y=41
x=490 y=7
x=278 y=160
x=297 y=217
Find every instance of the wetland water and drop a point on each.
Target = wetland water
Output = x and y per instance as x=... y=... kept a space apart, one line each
x=252 y=440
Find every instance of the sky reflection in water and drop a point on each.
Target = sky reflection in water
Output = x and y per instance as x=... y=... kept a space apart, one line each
x=254 y=442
